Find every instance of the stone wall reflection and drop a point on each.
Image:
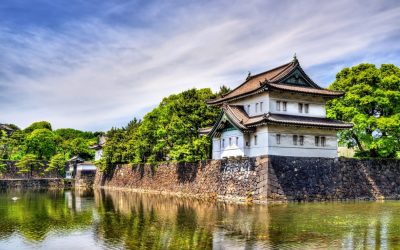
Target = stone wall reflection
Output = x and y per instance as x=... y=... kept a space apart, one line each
x=143 y=221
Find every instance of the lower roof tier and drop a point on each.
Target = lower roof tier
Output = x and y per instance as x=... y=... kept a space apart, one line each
x=236 y=115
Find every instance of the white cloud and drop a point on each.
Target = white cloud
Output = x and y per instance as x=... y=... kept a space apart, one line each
x=94 y=75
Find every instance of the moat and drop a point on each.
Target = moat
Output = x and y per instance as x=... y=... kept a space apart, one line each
x=103 y=219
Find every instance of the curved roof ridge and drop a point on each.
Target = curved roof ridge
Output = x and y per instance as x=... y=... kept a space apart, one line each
x=257 y=75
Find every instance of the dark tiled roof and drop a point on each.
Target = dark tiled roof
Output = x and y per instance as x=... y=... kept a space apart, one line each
x=96 y=146
x=301 y=121
x=271 y=78
x=253 y=82
x=205 y=131
x=306 y=90
x=238 y=116
x=6 y=127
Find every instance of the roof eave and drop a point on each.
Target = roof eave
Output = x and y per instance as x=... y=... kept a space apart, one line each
x=267 y=122
x=238 y=97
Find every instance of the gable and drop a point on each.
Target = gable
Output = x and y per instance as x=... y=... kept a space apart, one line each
x=223 y=124
x=298 y=78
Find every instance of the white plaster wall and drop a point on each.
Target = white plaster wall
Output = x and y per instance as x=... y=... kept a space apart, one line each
x=262 y=142
x=98 y=154
x=229 y=150
x=85 y=167
x=316 y=105
x=216 y=151
x=308 y=149
x=252 y=100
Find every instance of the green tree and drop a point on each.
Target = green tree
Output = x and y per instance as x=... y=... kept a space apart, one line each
x=3 y=167
x=170 y=131
x=42 y=142
x=372 y=103
x=223 y=90
x=70 y=134
x=13 y=147
x=38 y=125
x=28 y=163
x=58 y=163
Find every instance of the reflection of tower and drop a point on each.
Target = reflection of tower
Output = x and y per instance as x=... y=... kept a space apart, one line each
x=68 y=198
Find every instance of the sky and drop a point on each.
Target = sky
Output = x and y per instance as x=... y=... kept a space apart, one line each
x=93 y=65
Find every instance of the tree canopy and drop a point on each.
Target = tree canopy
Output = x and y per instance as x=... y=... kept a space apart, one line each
x=372 y=103
x=168 y=133
x=39 y=141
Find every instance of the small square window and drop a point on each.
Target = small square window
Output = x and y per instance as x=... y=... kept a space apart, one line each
x=284 y=104
x=323 y=141
x=278 y=105
x=278 y=139
x=317 y=141
x=301 y=140
x=294 y=139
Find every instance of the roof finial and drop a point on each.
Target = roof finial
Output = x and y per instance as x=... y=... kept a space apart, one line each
x=248 y=76
x=294 y=57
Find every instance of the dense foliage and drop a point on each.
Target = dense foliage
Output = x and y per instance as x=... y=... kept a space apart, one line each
x=167 y=133
x=38 y=143
x=372 y=103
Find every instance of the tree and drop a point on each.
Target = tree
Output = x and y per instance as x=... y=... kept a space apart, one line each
x=223 y=90
x=42 y=142
x=170 y=131
x=13 y=147
x=58 y=163
x=372 y=103
x=28 y=163
x=70 y=134
x=38 y=125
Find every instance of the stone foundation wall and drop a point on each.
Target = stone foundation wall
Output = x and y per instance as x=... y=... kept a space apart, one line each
x=240 y=180
x=85 y=179
x=310 y=179
x=48 y=183
x=12 y=172
x=264 y=179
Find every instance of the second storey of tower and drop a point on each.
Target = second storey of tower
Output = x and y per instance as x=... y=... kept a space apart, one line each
x=283 y=103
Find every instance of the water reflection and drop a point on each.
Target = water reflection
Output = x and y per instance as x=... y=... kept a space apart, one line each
x=124 y=220
x=142 y=221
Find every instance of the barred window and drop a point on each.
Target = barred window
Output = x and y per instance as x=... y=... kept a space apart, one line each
x=300 y=107
x=230 y=141
x=306 y=108
x=301 y=140
x=261 y=106
x=317 y=141
x=294 y=139
x=255 y=140
x=237 y=141
x=284 y=104
x=278 y=105
x=323 y=141
x=278 y=139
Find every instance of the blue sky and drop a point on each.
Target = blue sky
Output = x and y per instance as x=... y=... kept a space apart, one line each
x=92 y=65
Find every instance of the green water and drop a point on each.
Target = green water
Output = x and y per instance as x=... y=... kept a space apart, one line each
x=125 y=220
